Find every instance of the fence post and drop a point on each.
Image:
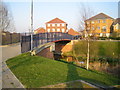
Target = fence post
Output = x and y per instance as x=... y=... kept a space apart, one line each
x=10 y=38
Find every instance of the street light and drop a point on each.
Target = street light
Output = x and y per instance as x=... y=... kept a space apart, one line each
x=31 y=26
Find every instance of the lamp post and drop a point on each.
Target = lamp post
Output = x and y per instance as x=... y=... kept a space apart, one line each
x=31 y=25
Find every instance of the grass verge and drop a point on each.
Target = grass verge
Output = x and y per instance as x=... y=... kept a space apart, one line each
x=35 y=72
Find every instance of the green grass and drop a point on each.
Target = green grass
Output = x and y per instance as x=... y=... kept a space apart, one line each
x=104 y=49
x=35 y=71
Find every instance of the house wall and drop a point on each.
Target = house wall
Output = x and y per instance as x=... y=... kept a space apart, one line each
x=117 y=28
x=95 y=25
x=73 y=32
x=48 y=55
x=56 y=27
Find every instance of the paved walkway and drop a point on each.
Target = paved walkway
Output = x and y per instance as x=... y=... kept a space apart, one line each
x=9 y=80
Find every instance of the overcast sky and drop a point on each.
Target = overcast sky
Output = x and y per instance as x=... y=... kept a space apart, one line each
x=46 y=11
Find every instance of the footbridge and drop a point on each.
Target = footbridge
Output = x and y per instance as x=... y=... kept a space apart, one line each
x=41 y=39
x=53 y=50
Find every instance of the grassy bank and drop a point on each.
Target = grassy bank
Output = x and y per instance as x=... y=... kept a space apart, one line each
x=98 y=49
x=35 y=71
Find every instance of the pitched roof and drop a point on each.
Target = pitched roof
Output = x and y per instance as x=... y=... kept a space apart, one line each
x=56 y=20
x=40 y=30
x=116 y=21
x=100 y=16
x=73 y=32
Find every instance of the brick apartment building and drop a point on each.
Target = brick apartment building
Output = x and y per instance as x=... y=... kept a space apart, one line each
x=99 y=25
x=56 y=25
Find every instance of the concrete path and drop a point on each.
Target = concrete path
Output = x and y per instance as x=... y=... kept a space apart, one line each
x=9 y=51
x=9 y=80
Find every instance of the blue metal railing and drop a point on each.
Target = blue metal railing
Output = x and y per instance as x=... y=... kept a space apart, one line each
x=42 y=38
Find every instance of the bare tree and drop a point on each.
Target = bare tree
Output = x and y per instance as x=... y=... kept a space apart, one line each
x=85 y=13
x=6 y=20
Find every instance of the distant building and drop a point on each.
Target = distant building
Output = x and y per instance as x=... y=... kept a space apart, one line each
x=116 y=28
x=116 y=25
x=99 y=25
x=39 y=30
x=56 y=25
x=73 y=32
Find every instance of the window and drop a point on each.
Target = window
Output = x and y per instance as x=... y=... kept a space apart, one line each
x=92 y=22
x=98 y=27
x=90 y=34
x=63 y=30
x=92 y=28
x=58 y=29
x=48 y=30
x=53 y=30
x=98 y=21
x=58 y=24
x=48 y=25
x=104 y=21
x=53 y=24
x=63 y=24
x=117 y=26
x=88 y=22
x=104 y=29
x=101 y=34
x=107 y=34
x=88 y=28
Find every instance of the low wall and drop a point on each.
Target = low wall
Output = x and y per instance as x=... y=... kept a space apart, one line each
x=52 y=50
x=46 y=53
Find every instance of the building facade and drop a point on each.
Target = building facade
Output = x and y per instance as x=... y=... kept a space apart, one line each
x=73 y=32
x=116 y=28
x=56 y=25
x=99 y=25
x=39 y=30
x=116 y=25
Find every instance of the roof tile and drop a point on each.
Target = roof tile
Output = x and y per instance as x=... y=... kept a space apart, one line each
x=56 y=20
x=99 y=16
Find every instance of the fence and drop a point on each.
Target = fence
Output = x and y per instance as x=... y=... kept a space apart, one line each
x=42 y=38
x=9 y=38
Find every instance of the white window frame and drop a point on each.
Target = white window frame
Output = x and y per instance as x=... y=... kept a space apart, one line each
x=48 y=25
x=101 y=34
x=63 y=30
x=93 y=28
x=92 y=22
x=58 y=25
x=58 y=29
x=104 y=21
x=107 y=34
x=48 y=30
x=53 y=29
x=53 y=25
x=117 y=27
x=98 y=21
x=63 y=24
x=104 y=28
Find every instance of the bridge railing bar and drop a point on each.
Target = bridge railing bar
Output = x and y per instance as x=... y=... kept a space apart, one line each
x=42 y=38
